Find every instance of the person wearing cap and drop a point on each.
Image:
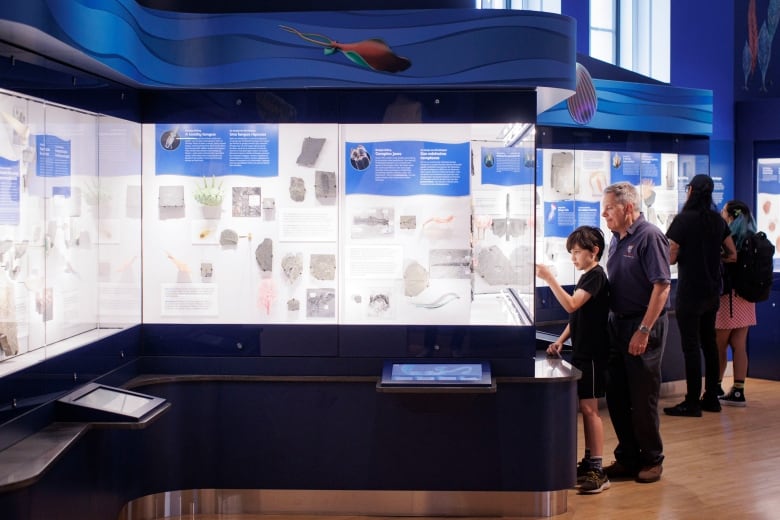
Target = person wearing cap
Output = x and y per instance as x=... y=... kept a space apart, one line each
x=699 y=240
x=639 y=280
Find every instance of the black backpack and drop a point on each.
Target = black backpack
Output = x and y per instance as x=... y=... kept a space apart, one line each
x=751 y=276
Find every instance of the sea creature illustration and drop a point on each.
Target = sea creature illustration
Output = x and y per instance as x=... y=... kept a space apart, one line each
x=441 y=301
x=266 y=294
x=773 y=15
x=766 y=36
x=126 y=265
x=373 y=53
x=439 y=220
x=180 y=265
x=750 y=51
x=583 y=105
x=764 y=53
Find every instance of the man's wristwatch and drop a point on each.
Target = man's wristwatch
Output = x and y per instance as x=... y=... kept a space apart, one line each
x=644 y=329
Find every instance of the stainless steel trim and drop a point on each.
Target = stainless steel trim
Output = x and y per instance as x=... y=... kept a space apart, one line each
x=175 y=504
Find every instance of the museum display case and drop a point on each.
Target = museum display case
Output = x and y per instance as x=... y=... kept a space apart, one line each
x=70 y=227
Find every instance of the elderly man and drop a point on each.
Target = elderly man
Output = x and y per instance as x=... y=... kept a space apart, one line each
x=639 y=277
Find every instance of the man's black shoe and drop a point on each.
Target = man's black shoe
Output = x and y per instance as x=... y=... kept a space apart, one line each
x=684 y=409
x=710 y=403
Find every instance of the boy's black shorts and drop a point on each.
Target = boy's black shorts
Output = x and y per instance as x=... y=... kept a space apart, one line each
x=593 y=383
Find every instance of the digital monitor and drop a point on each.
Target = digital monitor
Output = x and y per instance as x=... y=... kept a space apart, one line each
x=112 y=400
x=405 y=373
x=101 y=403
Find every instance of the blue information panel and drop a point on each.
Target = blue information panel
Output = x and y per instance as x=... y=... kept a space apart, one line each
x=217 y=149
x=401 y=168
x=52 y=156
x=9 y=192
x=508 y=166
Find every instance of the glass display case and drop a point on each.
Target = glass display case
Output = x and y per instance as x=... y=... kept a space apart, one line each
x=768 y=201
x=571 y=180
x=410 y=224
x=70 y=232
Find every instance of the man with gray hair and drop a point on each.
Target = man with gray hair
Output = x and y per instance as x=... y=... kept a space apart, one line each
x=640 y=278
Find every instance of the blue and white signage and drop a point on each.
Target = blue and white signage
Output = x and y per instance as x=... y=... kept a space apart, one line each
x=400 y=168
x=217 y=149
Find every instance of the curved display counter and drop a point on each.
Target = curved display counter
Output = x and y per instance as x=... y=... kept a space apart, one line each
x=317 y=444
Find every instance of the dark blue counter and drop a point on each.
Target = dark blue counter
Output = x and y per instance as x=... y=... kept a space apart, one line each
x=231 y=430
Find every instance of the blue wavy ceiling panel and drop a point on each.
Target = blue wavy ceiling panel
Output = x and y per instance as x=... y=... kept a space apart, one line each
x=438 y=47
x=642 y=107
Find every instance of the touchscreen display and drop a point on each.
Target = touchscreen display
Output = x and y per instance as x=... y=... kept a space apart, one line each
x=111 y=400
x=455 y=373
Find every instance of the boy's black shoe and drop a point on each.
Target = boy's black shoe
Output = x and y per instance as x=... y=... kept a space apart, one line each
x=595 y=481
x=583 y=468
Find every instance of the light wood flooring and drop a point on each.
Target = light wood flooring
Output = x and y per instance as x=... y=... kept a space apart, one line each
x=720 y=466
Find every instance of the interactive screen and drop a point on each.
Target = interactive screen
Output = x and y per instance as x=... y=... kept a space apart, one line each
x=114 y=401
x=101 y=403
x=457 y=374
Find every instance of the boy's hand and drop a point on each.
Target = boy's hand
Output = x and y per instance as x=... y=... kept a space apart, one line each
x=544 y=272
x=554 y=349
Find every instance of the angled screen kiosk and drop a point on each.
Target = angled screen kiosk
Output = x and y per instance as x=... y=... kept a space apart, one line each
x=108 y=405
x=436 y=377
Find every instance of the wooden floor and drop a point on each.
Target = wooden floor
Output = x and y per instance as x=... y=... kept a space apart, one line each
x=721 y=466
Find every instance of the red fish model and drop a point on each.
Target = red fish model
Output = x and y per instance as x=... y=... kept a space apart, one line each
x=373 y=53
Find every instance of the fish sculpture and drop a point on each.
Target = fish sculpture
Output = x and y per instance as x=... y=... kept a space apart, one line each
x=372 y=54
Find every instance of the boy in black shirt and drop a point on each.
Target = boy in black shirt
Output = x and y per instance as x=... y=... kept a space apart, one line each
x=588 y=309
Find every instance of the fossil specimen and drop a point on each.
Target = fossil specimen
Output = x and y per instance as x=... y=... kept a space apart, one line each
x=416 y=279
x=209 y=194
x=379 y=303
x=292 y=266
x=494 y=266
x=323 y=267
x=320 y=303
x=297 y=189
x=269 y=208
x=246 y=201
x=310 y=151
x=324 y=185
x=228 y=237
x=450 y=263
x=264 y=254
x=372 y=221
x=408 y=222
x=171 y=197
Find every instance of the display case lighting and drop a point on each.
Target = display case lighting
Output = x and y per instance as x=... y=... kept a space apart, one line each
x=517 y=132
